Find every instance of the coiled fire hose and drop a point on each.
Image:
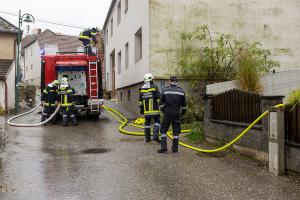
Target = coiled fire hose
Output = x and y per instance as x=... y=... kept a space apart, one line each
x=9 y=121
x=124 y=122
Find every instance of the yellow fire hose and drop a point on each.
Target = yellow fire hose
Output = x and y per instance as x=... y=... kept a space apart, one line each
x=124 y=122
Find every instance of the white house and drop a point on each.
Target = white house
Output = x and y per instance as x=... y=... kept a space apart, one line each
x=7 y=84
x=43 y=43
x=142 y=36
x=8 y=37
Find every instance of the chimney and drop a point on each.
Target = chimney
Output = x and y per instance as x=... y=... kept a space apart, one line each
x=39 y=31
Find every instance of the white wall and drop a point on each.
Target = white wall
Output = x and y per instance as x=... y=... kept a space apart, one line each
x=10 y=81
x=280 y=83
x=33 y=58
x=274 y=23
x=2 y=94
x=136 y=16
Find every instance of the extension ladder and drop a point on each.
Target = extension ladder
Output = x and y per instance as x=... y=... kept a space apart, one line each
x=93 y=78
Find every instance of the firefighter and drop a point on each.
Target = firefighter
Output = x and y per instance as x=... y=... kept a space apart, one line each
x=149 y=107
x=66 y=100
x=49 y=99
x=173 y=106
x=86 y=37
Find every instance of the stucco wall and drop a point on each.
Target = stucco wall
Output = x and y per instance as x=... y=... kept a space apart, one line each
x=32 y=64
x=132 y=20
x=274 y=23
x=2 y=94
x=10 y=81
x=7 y=44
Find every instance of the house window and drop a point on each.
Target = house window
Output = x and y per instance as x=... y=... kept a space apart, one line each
x=126 y=6
x=138 y=45
x=119 y=62
x=31 y=67
x=126 y=55
x=121 y=96
x=128 y=95
x=111 y=27
x=31 y=51
x=119 y=12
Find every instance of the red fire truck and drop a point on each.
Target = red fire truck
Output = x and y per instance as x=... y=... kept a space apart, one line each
x=84 y=76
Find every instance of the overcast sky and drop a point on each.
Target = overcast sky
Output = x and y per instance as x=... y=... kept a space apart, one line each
x=82 y=13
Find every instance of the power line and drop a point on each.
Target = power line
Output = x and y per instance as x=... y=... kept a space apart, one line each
x=47 y=21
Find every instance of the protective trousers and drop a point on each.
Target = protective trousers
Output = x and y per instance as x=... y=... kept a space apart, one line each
x=148 y=119
x=87 y=46
x=68 y=112
x=175 y=121
x=47 y=112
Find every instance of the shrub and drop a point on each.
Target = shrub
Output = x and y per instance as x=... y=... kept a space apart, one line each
x=194 y=111
x=197 y=133
x=248 y=74
x=294 y=99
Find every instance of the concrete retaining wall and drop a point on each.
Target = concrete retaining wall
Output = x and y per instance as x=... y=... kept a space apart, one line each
x=256 y=140
x=292 y=155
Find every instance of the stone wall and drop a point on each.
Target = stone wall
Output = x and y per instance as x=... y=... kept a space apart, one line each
x=255 y=142
x=27 y=94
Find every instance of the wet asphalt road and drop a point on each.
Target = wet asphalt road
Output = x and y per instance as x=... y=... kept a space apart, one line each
x=49 y=163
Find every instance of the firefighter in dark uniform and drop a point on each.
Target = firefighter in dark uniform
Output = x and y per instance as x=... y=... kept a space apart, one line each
x=173 y=106
x=149 y=107
x=49 y=99
x=66 y=100
x=86 y=37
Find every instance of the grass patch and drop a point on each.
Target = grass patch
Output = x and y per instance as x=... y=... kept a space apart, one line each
x=197 y=133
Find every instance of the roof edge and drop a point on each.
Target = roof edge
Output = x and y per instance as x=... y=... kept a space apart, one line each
x=109 y=12
x=11 y=25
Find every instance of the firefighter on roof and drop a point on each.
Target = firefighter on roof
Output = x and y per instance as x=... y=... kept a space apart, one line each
x=86 y=37
x=66 y=99
x=149 y=107
x=49 y=99
x=173 y=106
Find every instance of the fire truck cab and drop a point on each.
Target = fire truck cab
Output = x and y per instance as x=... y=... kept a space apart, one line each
x=84 y=76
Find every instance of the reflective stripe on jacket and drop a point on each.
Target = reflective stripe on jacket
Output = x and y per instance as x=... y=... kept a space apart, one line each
x=173 y=100
x=50 y=95
x=149 y=99
x=66 y=97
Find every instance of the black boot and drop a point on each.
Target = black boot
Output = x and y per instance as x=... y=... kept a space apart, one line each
x=175 y=145
x=65 y=120
x=147 y=135
x=74 y=121
x=163 y=144
x=156 y=133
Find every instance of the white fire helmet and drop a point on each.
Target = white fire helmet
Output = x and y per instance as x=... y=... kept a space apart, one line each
x=148 y=77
